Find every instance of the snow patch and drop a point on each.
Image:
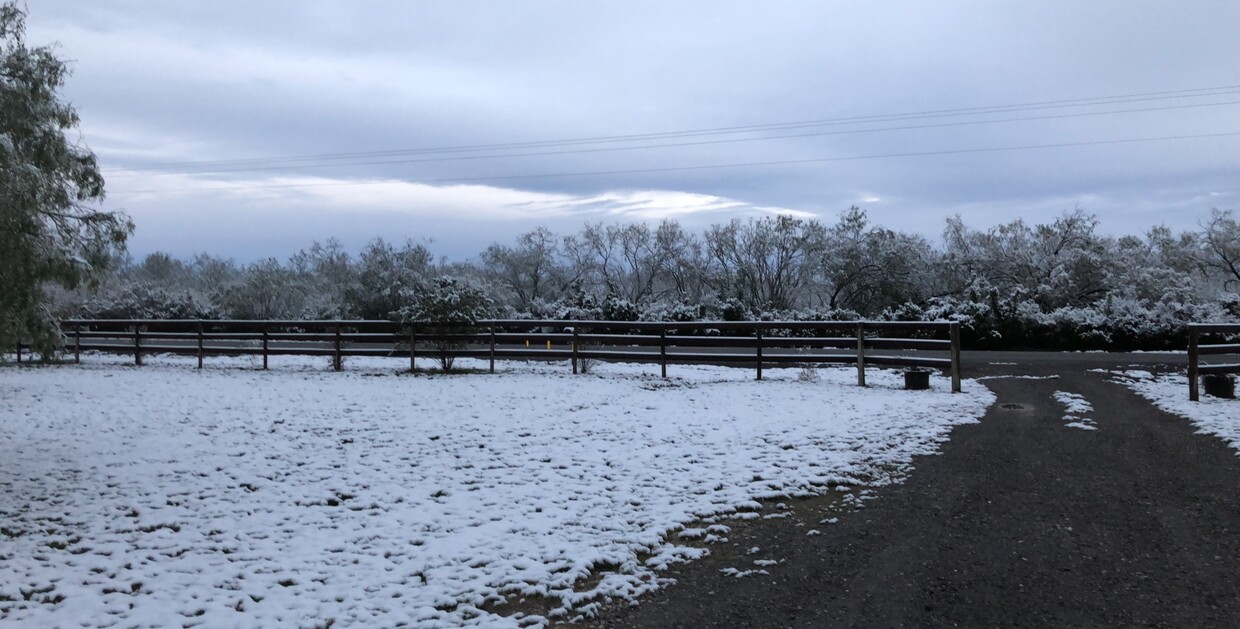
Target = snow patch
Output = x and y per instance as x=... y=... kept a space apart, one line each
x=1076 y=406
x=231 y=496
x=1169 y=392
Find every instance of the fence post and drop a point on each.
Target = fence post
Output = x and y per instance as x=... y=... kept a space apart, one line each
x=265 y=326
x=200 y=348
x=413 y=344
x=861 y=353
x=759 y=353
x=1193 y=357
x=137 y=345
x=19 y=352
x=955 y=336
x=493 y=350
x=77 y=343
x=336 y=361
x=575 y=350
x=663 y=352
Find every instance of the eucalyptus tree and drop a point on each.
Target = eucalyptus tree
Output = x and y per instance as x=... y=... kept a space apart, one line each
x=52 y=230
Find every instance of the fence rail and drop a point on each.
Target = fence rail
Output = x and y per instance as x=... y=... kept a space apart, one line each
x=1197 y=349
x=760 y=344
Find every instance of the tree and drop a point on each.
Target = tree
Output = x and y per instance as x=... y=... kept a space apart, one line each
x=764 y=262
x=623 y=260
x=530 y=271
x=866 y=268
x=446 y=306
x=1061 y=264
x=1221 y=242
x=51 y=229
x=388 y=278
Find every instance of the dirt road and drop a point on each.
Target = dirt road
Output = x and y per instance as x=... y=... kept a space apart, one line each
x=1019 y=522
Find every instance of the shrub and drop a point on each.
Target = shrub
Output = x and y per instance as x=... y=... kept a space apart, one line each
x=446 y=306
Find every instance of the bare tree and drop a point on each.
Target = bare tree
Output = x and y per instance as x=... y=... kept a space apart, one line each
x=764 y=262
x=1220 y=239
x=531 y=270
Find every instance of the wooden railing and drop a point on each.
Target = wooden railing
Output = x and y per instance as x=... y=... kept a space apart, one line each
x=760 y=344
x=1197 y=349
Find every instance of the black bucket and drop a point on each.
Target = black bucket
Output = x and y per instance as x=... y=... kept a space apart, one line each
x=1219 y=385
x=917 y=380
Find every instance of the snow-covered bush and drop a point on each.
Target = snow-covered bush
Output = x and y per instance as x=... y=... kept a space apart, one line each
x=576 y=305
x=673 y=312
x=145 y=302
x=447 y=306
x=619 y=309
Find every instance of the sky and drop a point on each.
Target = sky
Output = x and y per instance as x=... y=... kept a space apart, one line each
x=251 y=129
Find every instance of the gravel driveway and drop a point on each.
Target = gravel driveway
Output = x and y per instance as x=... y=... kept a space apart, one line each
x=1020 y=521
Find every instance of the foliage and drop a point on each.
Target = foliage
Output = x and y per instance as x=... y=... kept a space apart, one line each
x=388 y=278
x=149 y=302
x=1058 y=285
x=51 y=230
x=446 y=306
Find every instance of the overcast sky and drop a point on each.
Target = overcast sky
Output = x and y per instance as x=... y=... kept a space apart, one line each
x=195 y=110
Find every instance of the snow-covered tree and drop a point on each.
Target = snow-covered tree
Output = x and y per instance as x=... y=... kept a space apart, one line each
x=766 y=262
x=531 y=271
x=52 y=230
x=446 y=305
x=266 y=289
x=328 y=273
x=624 y=261
x=1061 y=264
x=865 y=268
x=388 y=278
x=1221 y=242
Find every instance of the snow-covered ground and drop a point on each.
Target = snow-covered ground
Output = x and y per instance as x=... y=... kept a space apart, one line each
x=1169 y=392
x=162 y=495
x=1076 y=407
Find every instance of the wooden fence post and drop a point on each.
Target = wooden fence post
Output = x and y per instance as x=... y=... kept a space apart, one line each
x=663 y=352
x=200 y=344
x=1193 y=357
x=574 y=350
x=137 y=345
x=955 y=336
x=337 y=362
x=413 y=344
x=861 y=353
x=77 y=343
x=493 y=349
x=265 y=326
x=759 y=352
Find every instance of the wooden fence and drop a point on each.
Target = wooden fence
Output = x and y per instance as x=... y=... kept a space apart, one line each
x=758 y=344
x=1197 y=349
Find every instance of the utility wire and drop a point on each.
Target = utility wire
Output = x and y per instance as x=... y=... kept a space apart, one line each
x=599 y=173
x=937 y=113
x=938 y=125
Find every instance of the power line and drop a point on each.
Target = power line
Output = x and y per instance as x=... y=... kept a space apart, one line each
x=936 y=113
x=136 y=173
x=635 y=171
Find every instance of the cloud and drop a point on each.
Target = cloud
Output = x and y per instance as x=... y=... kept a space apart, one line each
x=170 y=210
x=190 y=82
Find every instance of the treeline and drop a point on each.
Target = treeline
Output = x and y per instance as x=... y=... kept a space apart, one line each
x=1060 y=285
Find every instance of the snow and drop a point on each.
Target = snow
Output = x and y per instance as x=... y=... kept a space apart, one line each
x=231 y=496
x=1169 y=392
x=1076 y=407
x=740 y=574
